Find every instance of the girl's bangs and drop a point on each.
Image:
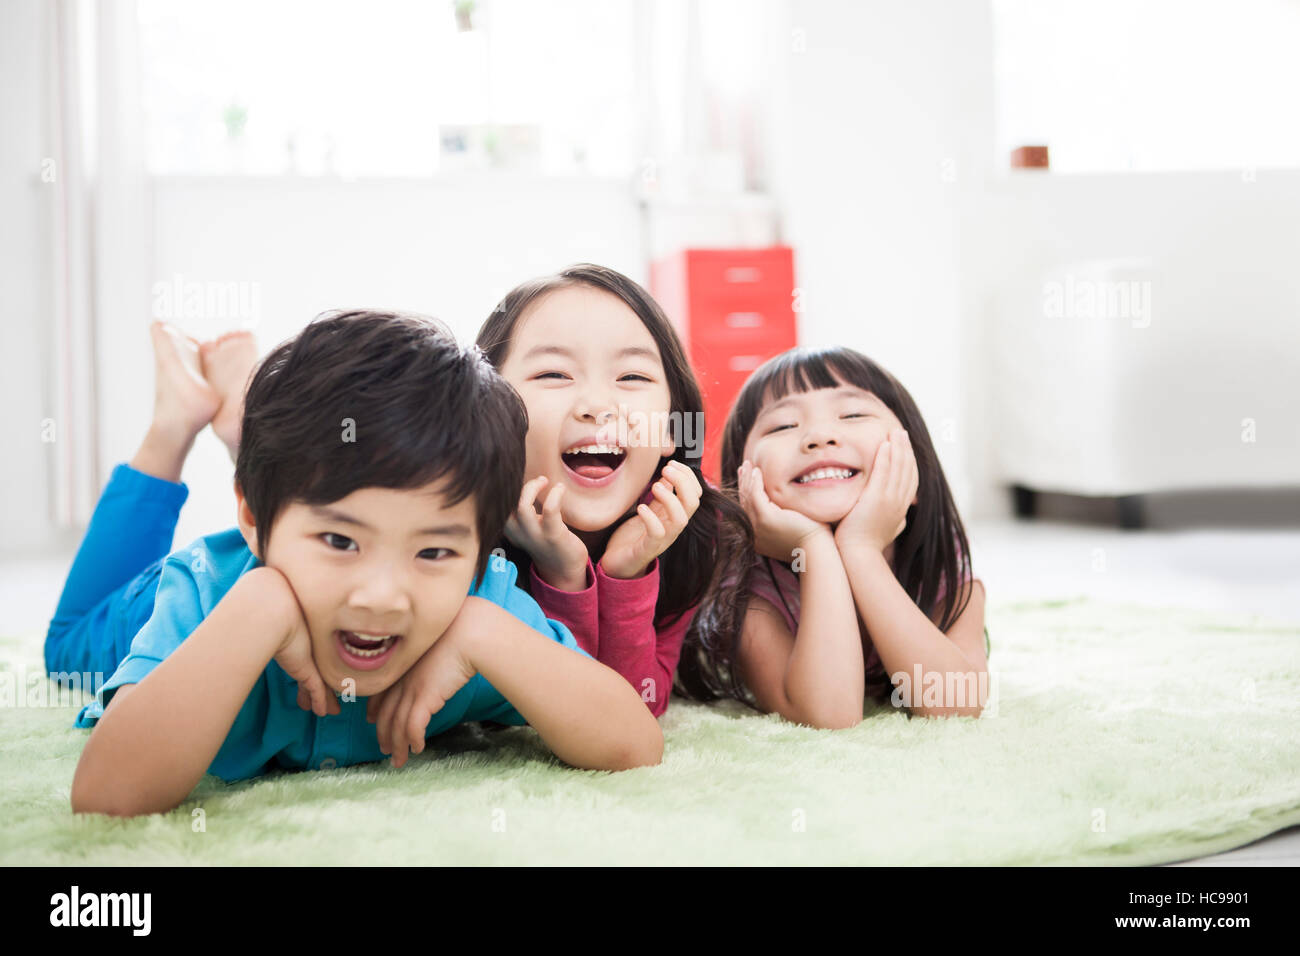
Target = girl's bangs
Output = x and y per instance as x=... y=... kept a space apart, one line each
x=803 y=370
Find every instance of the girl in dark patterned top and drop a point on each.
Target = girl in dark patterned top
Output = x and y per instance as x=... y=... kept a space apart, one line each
x=841 y=593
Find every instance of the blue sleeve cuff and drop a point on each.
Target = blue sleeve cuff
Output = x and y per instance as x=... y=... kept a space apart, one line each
x=132 y=670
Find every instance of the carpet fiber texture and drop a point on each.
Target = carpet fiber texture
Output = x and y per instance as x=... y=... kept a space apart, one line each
x=1116 y=735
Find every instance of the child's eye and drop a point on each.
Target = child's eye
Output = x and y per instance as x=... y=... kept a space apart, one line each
x=436 y=554
x=634 y=377
x=560 y=375
x=857 y=415
x=339 y=542
x=778 y=428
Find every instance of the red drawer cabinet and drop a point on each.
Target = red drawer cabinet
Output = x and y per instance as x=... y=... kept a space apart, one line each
x=734 y=309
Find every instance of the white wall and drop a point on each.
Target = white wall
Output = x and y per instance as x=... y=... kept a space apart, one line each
x=25 y=238
x=449 y=248
x=907 y=225
x=882 y=128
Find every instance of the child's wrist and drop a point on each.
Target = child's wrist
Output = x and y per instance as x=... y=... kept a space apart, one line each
x=864 y=556
x=563 y=579
x=476 y=622
x=855 y=541
x=626 y=573
x=268 y=592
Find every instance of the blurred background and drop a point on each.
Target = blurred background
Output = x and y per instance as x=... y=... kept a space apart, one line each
x=1071 y=229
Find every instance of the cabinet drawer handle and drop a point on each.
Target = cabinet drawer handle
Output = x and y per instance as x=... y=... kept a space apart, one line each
x=744 y=320
x=744 y=363
x=738 y=274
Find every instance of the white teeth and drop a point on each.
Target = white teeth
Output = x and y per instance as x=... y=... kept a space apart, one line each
x=594 y=450
x=825 y=473
x=369 y=652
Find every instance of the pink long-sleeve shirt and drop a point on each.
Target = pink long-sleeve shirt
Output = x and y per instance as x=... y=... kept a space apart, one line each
x=613 y=621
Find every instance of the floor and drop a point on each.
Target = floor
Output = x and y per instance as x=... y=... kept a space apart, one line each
x=1254 y=570
x=1248 y=569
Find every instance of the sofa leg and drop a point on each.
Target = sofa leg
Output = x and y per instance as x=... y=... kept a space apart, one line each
x=1132 y=515
x=1024 y=501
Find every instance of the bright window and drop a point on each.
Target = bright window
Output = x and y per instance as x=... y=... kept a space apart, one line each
x=1150 y=85
x=389 y=87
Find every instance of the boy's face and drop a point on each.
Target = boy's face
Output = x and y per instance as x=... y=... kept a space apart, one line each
x=379 y=575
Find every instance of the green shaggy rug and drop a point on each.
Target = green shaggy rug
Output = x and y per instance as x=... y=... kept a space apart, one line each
x=1117 y=735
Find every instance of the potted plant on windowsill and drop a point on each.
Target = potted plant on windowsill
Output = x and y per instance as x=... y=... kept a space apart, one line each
x=464 y=15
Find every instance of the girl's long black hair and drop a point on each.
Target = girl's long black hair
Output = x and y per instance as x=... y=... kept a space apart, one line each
x=687 y=568
x=931 y=549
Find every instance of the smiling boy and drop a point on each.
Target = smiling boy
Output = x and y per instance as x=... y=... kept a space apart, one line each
x=376 y=457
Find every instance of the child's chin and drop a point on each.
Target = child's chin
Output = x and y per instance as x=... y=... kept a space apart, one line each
x=827 y=512
x=592 y=520
x=361 y=685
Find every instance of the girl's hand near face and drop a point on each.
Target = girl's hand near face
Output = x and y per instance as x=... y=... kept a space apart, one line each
x=777 y=531
x=558 y=554
x=649 y=533
x=881 y=512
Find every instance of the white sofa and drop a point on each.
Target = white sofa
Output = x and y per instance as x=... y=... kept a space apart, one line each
x=1135 y=376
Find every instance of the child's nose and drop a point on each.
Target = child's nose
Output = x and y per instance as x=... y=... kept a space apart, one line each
x=596 y=408
x=381 y=591
x=818 y=439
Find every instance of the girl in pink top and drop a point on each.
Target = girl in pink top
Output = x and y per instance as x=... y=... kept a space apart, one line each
x=841 y=594
x=616 y=533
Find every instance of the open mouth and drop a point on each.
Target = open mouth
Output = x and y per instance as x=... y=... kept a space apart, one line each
x=593 y=462
x=826 y=476
x=365 y=651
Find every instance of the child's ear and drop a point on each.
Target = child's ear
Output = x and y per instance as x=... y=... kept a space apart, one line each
x=244 y=518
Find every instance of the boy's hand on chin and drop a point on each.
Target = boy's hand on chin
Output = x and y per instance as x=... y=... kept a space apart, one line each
x=294 y=654
x=652 y=530
x=880 y=514
x=402 y=712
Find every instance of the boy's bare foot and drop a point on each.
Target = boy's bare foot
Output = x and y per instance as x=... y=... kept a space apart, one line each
x=228 y=364
x=184 y=403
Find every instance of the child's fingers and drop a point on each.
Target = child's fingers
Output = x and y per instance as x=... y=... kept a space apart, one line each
x=524 y=526
x=906 y=467
x=315 y=689
x=652 y=522
x=897 y=462
x=552 y=520
x=383 y=726
x=407 y=729
x=676 y=511
x=417 y=722
x=685 y=485
x=914 y=474
x=905 y=455
x=528 y=496
x=395 y=732
x=743 y=488
x=660 y=512
x=761 y=500
x=879 y=477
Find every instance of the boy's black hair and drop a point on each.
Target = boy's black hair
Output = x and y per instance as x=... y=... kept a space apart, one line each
x=370 y=399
